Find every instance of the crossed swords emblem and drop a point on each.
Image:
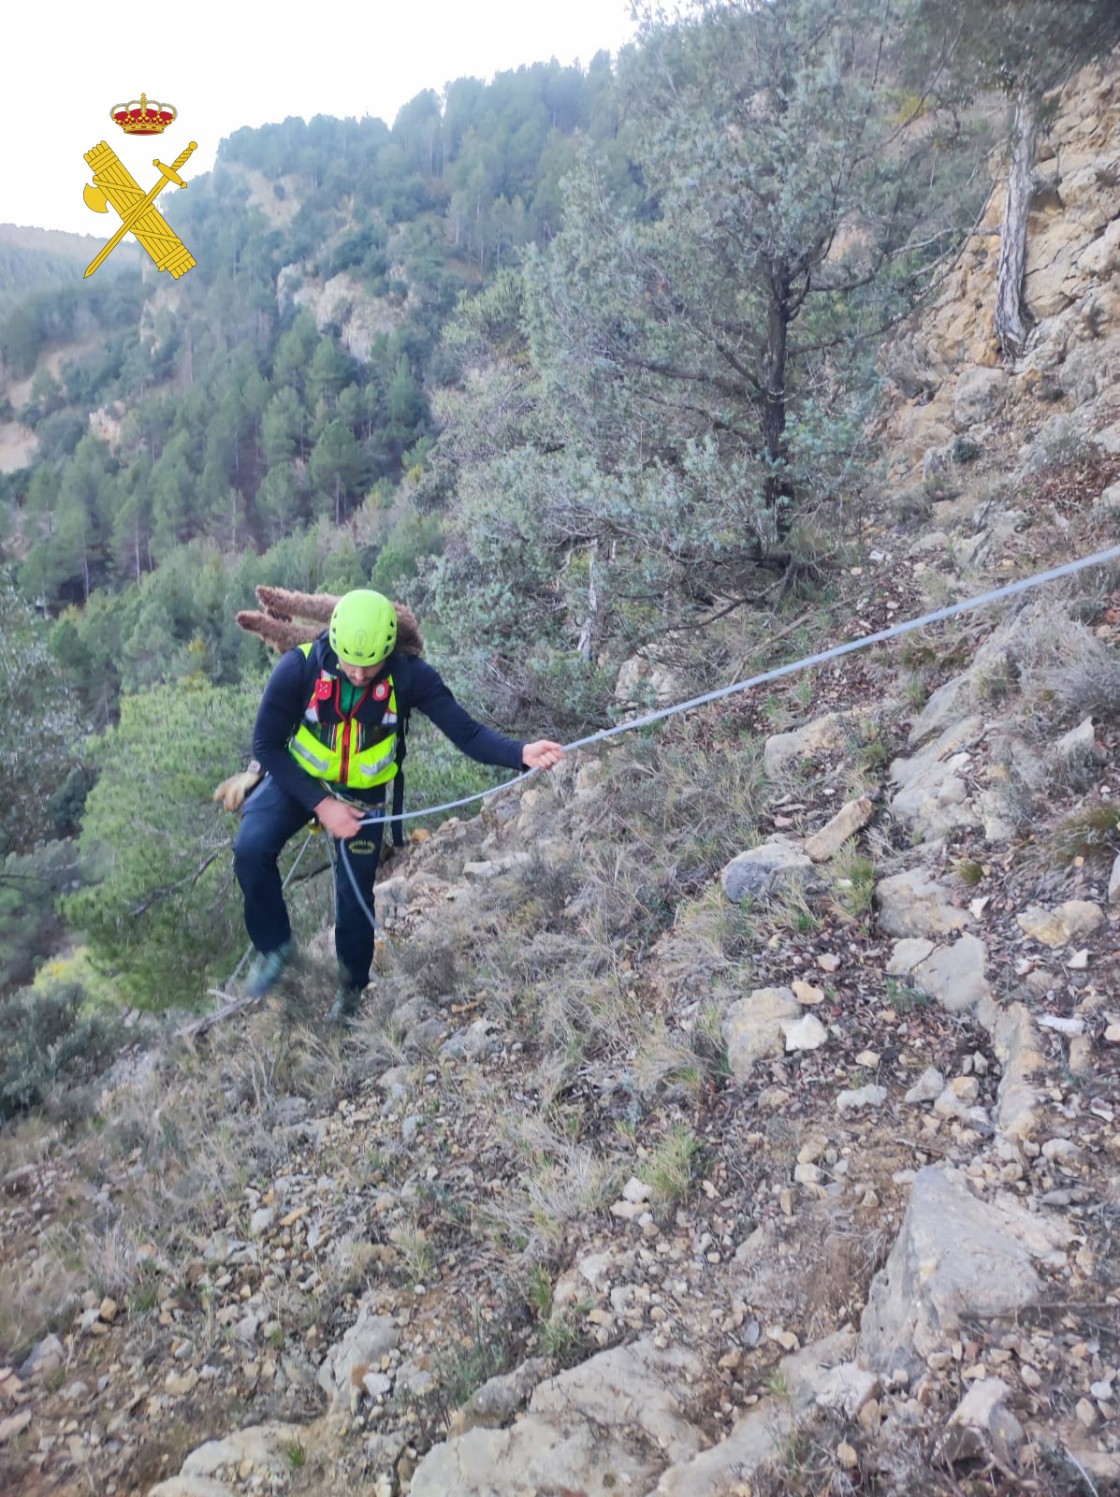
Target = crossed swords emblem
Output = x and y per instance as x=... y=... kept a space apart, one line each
x=114 y=183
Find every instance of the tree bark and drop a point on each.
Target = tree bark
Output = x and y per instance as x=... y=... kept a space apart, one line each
x=589 y=634
x=777 y=488
x=1013 y=319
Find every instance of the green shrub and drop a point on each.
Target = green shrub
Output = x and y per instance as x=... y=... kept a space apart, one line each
x=159 y=906
x=1092 y=833
x=412 y=540
x=51 y=1040
x=564 y=1337
x=675 y=1166
x=855 y=881
x=29 y=925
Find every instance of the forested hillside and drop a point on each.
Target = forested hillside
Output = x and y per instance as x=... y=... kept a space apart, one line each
x=34 y=260
x=579 y=362
x=735 y=1106
x=286 y=377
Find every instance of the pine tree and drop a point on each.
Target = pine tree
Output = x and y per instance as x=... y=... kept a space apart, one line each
x=36 y=708
x=160 y=907
x=687 y=374
x=336 y=467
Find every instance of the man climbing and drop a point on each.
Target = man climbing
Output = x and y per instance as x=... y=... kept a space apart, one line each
x=326 y=739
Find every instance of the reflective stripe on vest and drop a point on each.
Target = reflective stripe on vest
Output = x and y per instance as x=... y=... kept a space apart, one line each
x=326 y=749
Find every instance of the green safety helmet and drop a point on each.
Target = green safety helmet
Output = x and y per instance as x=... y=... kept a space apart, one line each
x=363 y=628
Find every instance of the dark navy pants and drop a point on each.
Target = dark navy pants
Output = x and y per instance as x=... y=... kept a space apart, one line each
x=270 y=818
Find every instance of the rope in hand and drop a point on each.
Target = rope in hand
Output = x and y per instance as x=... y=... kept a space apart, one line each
x=906 y=627
x=895 y=631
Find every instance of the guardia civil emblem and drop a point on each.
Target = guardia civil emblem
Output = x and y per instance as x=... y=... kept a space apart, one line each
x=114 y=184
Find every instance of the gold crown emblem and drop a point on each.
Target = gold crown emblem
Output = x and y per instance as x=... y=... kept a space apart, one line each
x=141 y=118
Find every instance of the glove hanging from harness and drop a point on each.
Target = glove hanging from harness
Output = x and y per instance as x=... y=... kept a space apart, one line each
x=234 y=792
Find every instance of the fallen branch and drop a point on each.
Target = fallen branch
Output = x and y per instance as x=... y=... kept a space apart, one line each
x=229 y=1009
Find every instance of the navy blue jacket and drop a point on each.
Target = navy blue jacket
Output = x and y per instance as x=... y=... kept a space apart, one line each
x=418 y=686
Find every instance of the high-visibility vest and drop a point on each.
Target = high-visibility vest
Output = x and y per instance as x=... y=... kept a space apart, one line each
x=334 y=746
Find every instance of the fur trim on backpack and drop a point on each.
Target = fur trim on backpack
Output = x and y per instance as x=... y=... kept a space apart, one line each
x=290 y=619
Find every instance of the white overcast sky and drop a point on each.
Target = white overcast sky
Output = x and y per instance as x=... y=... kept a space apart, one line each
x=224 y=65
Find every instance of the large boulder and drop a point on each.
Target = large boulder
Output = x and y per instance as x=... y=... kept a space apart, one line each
x=611 y=1424
x=977 y=395
x=820 y=1375
x=956 y=976
x=755 y=873
x=932 y=794
x=956 y=1258
x=1019 y=1052
x=752 y=1027
x=366 y=1342
x=913 y=903
x=822 y=735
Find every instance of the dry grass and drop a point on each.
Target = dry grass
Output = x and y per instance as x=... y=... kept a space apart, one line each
x=180 y=1144
x=561 y=1181
x=667 y=1065
x=1055 y=668
x=1091 y=832
x=433 y=962
x=40 y=1295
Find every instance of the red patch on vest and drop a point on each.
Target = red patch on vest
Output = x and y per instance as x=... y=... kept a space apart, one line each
x=324 y=690
x=381 y=691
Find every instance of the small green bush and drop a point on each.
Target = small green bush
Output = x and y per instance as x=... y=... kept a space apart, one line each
x=30 y=927
x=904 y=998
x=564 y=1338
x=675 y=1166
x=481 y=1347
x=855 y=883
x=51 y=1040
x=1092 y=833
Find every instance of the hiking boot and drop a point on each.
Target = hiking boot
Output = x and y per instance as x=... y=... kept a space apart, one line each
x=345 y=1006
x=267 y=969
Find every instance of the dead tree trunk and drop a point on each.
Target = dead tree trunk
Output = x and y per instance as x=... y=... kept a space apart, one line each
x=589 y=634
x=1013 y=319
x=776 y=488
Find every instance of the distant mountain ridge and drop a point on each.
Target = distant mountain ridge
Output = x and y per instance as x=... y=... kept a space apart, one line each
x=33 y=259
x=45 y=241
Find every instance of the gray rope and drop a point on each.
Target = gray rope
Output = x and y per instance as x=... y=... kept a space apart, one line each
x=344 y=858
x=1039 y=579
x=895 y=631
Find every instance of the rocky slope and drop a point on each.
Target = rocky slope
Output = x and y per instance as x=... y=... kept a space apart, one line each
x=733 y=1112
